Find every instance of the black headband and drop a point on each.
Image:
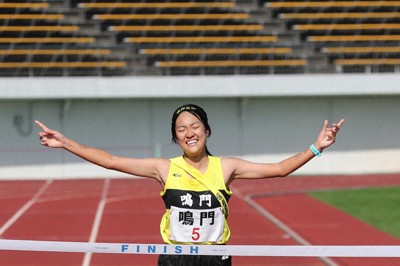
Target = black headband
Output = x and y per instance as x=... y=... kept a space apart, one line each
x=189 y=107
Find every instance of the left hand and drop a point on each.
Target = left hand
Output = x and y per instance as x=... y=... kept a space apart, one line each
x=327 y=136
x=49 y=137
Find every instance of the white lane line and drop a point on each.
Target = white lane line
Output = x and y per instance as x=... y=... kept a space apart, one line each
x=97 y=221
x=24 y=208
x=275 y=220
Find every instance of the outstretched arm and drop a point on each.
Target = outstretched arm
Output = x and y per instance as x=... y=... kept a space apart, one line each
x=141 y=167
x=236 y=168
x=326 y=138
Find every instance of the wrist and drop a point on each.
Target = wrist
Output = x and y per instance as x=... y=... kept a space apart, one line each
x=315 y=150
x=65 y=142
x=318 y=147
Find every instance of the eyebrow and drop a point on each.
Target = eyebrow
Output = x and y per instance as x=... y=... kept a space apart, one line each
x=194 y=123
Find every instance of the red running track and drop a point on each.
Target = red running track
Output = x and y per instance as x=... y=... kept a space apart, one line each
x=129 y=211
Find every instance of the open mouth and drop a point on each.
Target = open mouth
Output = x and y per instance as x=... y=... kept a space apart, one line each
x=191 y=142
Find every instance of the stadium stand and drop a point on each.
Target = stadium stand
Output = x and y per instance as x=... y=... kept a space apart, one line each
x=345 y=31
x=200 y=25
x=204 y=58
x=46 y=39
x=197 y=37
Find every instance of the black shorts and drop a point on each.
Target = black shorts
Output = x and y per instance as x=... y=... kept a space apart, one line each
x=194 y=260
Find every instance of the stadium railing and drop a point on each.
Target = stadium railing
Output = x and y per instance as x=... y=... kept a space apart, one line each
x=109 y=5
x=18 y=5
x=351 y=16
x=170 y=16
x=33 y=28
x=354 y=38
x=55 y=52
x=370 y=61
x=361 y=50
x=61 y=40
x=243 y=27
x=280 y=50
x=202 y=39
x=346 y=27
x=98 y=64
x=32 y=16
x=232 y=63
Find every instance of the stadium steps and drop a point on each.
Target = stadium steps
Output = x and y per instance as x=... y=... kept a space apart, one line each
x=138 y=64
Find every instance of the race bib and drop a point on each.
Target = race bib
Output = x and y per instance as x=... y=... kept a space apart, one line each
x=194 y=225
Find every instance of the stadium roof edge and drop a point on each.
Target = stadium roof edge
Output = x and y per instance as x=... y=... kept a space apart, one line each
x=305 y=85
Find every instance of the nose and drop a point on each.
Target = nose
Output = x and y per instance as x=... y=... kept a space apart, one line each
x=189 y=133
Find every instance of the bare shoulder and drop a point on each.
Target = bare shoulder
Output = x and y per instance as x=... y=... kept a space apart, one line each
x=163 y=164
x=230 y=161
x=233 y=161
x=237 y=168
x=230 y=166
x=156 y=168
x=234 y=164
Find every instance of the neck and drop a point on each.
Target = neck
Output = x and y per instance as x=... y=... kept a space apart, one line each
x=199 y=162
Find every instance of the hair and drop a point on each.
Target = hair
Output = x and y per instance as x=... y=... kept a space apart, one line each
x=194 y=110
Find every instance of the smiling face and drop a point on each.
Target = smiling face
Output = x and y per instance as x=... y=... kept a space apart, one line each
x=191 y=134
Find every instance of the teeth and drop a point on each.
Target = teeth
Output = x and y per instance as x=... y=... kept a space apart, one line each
x=192 y=142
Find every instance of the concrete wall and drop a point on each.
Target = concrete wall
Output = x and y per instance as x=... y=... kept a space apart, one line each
x=266 y=128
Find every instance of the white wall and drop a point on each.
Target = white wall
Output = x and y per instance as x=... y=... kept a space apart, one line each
x=256 y=122
x=199 y=86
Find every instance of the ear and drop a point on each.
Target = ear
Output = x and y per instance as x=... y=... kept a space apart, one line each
x=208 y=133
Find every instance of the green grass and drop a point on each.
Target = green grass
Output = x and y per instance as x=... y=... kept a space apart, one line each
x=379 y=207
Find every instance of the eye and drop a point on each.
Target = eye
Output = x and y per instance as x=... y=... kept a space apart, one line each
x=180 y=130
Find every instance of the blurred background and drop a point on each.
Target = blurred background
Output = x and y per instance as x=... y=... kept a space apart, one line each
x=109 y=74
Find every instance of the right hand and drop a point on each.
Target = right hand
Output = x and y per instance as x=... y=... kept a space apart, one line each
x=327 y=136
x=49 y=137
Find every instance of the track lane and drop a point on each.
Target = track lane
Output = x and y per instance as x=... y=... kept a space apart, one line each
x=133 y=210
x=322 y=224
x=63 y=213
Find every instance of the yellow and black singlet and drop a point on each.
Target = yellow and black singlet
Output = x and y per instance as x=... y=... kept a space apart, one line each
x=193 y=214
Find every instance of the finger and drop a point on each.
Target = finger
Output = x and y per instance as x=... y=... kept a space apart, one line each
x=44 y=143
x=325 y=126
x=331 y=130
x=337 y=126
x=340 y=123
x=43 y=127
